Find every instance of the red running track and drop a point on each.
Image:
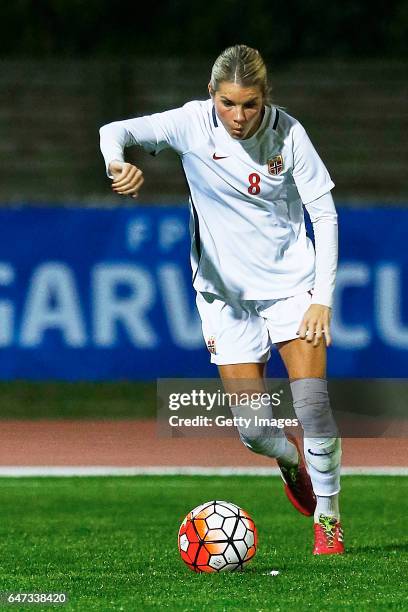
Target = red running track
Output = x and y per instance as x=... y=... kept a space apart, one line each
x=137 y=443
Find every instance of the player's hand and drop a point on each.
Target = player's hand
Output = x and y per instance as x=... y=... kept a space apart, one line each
x=315 y=324
x=127 y=179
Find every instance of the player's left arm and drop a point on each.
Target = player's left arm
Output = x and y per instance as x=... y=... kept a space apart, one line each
x=316 y=321
x=314 y=184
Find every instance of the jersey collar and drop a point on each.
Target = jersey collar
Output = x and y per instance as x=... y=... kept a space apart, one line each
x=214 y=117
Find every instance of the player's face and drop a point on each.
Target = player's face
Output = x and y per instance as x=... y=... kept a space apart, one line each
x=239 y=108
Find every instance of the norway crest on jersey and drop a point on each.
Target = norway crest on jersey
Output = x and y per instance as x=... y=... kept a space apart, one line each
x=275 y=165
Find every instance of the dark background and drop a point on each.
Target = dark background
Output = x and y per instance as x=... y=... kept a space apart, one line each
x=67 y=67
x=283 y=30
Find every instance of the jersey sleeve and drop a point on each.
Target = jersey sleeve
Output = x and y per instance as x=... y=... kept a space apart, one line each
x=170 y=129
x=310 y=174
x=324 y=219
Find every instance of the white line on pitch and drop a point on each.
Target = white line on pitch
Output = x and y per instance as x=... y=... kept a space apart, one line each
x=20 y=471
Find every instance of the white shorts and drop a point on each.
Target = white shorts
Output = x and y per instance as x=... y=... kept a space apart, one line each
x=244 y=331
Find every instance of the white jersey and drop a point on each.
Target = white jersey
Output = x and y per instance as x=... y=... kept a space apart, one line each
x=247 y=224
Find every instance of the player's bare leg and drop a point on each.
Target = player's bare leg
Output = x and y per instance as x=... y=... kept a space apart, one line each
x=302 y=359
x=306 y=367
x=271 y=441
x=249 y=371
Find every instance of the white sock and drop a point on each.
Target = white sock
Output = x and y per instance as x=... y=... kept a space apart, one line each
x=327 y=505
x=265 y=440
x=323 y=456
x=290 y=456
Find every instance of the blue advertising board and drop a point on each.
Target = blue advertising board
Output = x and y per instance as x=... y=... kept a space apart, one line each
x=105 y=294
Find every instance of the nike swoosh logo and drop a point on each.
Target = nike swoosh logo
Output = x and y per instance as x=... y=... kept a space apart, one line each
x=319 y=454
x=216 y=157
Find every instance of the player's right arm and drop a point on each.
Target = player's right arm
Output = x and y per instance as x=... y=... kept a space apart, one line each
x=153 y=133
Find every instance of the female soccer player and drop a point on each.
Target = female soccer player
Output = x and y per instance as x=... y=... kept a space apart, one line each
x=250 y=168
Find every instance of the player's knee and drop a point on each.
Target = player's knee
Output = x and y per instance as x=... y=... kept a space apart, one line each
x=261 y=441
x=323 y=454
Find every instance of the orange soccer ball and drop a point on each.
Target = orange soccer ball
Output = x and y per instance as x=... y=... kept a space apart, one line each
x=217 y=536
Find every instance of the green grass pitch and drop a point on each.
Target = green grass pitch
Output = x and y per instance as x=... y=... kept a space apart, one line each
x=111 y=544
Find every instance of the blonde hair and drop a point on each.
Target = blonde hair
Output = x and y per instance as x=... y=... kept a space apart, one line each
x=242 y=65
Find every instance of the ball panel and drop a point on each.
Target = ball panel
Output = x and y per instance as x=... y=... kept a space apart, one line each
x=206 y=512
x=183 y=542
x=217 y=562
x=251 y=552
x=240 y=531
x=214 y=521
x=249 y=523
x=249 y=538
x=216 y=548
x=192 y=551
x=231 y=555
x=226 y=509
x=215 y=535
x=201 y=527
x=241 y=548
x=191 y=532
x=227 y=504
x=203 y=556
x=229 y=526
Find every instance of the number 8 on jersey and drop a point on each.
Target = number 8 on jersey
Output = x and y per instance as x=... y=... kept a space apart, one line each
x=254 y=180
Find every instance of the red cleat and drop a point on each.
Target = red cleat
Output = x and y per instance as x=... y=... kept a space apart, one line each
x=298 y=486
x=328 y=536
